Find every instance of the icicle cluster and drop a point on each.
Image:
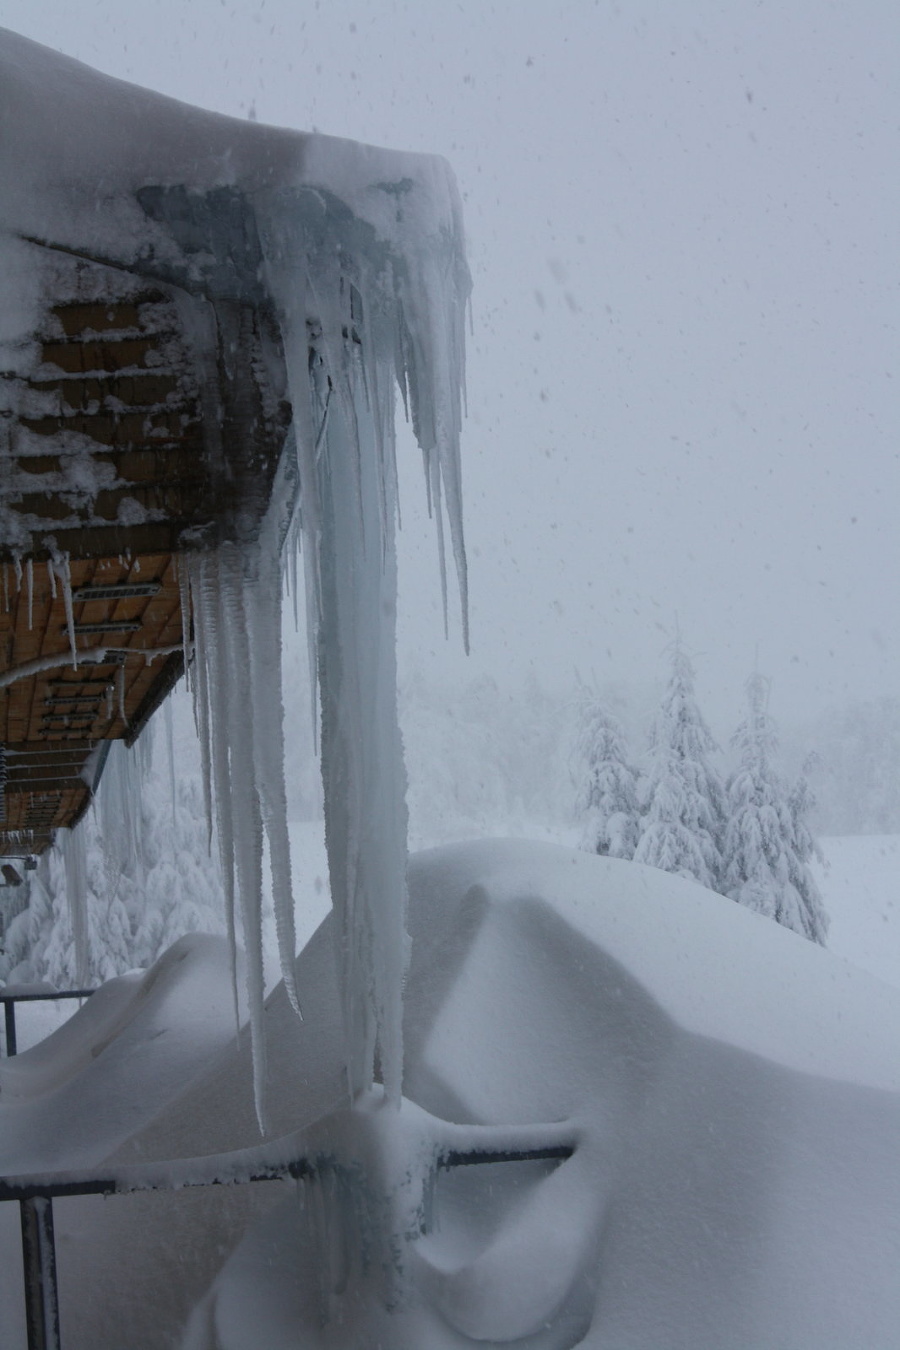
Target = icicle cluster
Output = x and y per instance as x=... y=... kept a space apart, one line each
x=363 y=261
x=362 y=258
x=118 y=805
x=360 y=316
x=235 y=597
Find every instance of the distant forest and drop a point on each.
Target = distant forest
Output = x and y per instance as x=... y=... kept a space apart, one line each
x=480 y=757
x=482 y=760
x=855 y=769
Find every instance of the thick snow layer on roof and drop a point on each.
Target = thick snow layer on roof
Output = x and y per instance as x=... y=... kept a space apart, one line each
x=77 y=145
x=729 y=1091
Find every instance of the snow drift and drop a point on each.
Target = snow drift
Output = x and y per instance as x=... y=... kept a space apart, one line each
x=73 y=1100
x=727 y=1092
x=730 y=1092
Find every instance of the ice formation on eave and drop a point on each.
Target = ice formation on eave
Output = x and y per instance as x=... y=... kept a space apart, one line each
x=362 y=256
x=355 y=324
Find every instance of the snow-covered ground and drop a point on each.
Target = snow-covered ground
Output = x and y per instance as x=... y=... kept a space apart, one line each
x=725 y=1094
x=860 y=883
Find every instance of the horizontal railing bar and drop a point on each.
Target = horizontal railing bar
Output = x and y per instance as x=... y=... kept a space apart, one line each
x=27 y=1189
x=480 y=1156
x=49 y=998
x=233 y=1169
x=155 y=1177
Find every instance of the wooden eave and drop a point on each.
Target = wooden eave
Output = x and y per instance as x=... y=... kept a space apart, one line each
x=53 y=723
x=147 y=424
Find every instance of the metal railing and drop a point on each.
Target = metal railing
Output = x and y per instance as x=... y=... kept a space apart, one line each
x=36 y=1211
x=35 y=1194
x=9 y=1002
x=278 y=1161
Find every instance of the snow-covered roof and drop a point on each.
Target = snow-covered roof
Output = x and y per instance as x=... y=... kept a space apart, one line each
x=153 y=257
x=137 y=259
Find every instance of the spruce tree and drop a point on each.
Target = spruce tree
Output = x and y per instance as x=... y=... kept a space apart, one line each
x=148 y=876
x=768 y=844
x=608 y=798
x=684 y=811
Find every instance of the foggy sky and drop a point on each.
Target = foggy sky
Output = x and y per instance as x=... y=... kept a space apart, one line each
x=683 y=232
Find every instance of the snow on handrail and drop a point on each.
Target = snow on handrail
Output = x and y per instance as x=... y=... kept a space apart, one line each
x=285 y=1158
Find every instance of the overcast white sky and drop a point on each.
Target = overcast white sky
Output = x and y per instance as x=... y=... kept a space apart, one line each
x=683 y=225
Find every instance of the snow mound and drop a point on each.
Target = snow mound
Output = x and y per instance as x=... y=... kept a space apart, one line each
x=729 y=1090
x=71 y=1101
x=134 y=1045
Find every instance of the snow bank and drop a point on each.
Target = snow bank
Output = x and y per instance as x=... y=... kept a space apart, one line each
x=71 y=1101
x=131 y=1049
x=731 y=1092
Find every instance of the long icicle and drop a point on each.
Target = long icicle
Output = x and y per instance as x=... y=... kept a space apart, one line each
x=353 y=326
x=355 y=320
x=60 y=566
x=237 y=696
x=210 y=686
x=262 y=608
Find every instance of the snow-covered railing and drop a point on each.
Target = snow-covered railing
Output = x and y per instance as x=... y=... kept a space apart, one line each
x=9 y=1002
x=288 y=1158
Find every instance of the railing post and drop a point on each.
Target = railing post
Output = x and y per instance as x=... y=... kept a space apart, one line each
x=9 y=1013
x=39 y=1269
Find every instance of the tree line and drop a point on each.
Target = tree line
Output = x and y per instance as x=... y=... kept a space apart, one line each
x=745 y=836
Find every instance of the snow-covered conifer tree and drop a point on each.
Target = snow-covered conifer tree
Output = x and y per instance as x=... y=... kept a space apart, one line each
x=768 y=844
x=141 y=863
x=607 y=799
x=802 y=801
x=684 y=801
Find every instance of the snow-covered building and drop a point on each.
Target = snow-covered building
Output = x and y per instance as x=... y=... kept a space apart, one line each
x=687 y=1129
x=144 y=391
x=145 y=413
x=203 y=321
